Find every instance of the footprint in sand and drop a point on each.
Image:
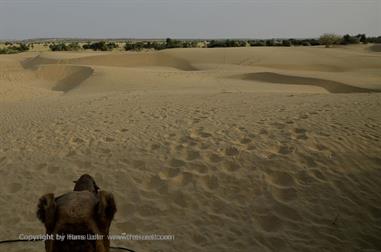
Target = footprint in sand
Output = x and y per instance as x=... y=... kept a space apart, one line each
x=245 y=140
x=304 y=178
x=205 y=134
x=169 y=172
x=251 y=147
x=231 y=166
x=53 y=169
x=182 y=179
x=180 y=199
x=263 y=132
x=278 y=125
x=42 y=166
x=155 y=146
x=285 y=150
x=77 y=140
x=127 y=226
x=231 y=151
x=289 y=122
x=50 y=187
x=177 y=163
x=204 y=146
x=303 y=117
x=157 y=183
x=215 y=158
x=210 y=182
x=269 y=222
x=200 y=168
x=196 y=120
x=287 y=212
x=280 y=178
x=285 y=194
x=148 y=210
x=192 y=155
x=318 y=175
x=310 y=161
x=300 y=133
x=14 y=187
x=105 y=151
x=139 y=164
x=109 y=139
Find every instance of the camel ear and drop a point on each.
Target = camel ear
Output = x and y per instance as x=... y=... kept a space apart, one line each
x=46 y=211
x=96 y=187
x=106 y=209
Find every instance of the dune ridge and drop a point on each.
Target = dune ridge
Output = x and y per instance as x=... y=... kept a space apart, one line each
x=330 y=86
x=64 y=77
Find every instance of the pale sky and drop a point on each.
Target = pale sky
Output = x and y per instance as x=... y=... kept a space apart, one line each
x=22 y=19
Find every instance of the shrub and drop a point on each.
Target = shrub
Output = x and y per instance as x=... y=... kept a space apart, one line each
x=138 y=46
x=100 y=46
x=314 y=42
x=362 y=38
x=286 y=43
x=65 y=47
x=15 y=49
x=227 y=43
x=171 y=43
x=329 y=39
x=270 y=42
x=376 y=40
x=58 y=47
x=348 y=40
x=259 y=43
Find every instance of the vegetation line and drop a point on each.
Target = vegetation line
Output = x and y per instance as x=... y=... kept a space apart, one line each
x=327 y=40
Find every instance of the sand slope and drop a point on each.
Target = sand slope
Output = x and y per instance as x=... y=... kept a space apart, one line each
x=248 y=149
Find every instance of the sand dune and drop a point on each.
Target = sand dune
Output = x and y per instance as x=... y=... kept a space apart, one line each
x=159 y=59
x=330 y=86
x=244 y=149
x=63 y=77
x=375 y=48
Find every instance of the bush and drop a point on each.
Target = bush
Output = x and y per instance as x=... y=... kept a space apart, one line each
x=286 y=43
x=14 y=49
x=375 y=40
x=348 y=40
x=170 y=43
x=138 y=46
x=314 y=42
x=100 y=46
x=257 y=43
x=227 y=43
x=129 y=46
x=329 y=39
x=362 y=38
x=64 y=47
x=270 y=42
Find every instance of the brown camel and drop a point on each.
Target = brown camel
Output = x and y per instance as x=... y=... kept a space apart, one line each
x=82 y=216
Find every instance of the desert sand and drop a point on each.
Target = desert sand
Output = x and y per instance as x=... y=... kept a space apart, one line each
x=241 y=149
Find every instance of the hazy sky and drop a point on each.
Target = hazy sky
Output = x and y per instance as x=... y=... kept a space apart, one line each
x=20 y=19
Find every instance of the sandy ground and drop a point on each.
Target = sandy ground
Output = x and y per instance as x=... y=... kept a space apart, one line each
x=244 y=149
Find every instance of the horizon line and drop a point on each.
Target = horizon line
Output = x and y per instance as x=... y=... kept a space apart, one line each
x=162 y=38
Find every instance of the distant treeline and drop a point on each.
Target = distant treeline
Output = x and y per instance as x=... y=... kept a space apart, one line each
x=326 y=39
x=14 y=48
x=74 y=46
